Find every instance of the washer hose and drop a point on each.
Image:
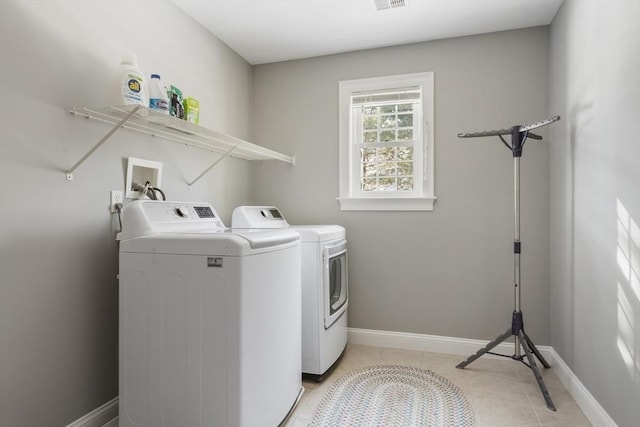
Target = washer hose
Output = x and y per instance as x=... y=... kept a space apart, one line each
x=148 y=190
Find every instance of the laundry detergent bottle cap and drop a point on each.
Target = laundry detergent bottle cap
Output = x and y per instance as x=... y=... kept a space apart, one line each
x=158 y=99
x=132 y=87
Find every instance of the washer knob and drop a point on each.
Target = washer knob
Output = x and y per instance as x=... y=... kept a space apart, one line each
x=182 y=211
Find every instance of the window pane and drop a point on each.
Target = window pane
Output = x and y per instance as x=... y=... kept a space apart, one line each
x=387 y=122
x=386 y=184
x=405 y=107
x=386 y=153
x=405 y=135
x=370 y=122
x=388 y=135
x=370 y=136
x=405 y=120
x=405 y=168
x=368 y=155
x=405 y=153
x=405 y=184
x=369 y=169
x=370 y=110
x=368 y=184
x=386 y=169
x=387 y=108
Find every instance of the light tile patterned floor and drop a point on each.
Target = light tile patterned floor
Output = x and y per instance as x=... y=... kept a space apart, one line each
x=502 y=392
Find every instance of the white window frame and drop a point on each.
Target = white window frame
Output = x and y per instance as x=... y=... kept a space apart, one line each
x=351 y=197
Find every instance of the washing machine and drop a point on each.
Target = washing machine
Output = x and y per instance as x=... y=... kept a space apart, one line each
x=325 y=295
x=210 y=329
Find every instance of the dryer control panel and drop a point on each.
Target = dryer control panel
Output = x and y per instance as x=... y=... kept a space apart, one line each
x=257 y=217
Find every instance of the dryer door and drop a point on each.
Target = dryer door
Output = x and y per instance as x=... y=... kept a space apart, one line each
x=336 y=295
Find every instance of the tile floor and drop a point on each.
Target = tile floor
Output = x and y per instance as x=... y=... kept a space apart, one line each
x=502 y=392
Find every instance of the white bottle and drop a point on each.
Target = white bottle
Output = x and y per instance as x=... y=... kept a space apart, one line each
x=132 y=86
x=158 y=95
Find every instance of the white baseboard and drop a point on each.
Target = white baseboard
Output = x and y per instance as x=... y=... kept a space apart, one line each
x=594 y=412
x=99 y=417
x=585 y=400
x=431 y=343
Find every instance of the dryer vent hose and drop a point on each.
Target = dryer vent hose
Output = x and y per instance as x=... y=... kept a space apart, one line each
x=148 y=190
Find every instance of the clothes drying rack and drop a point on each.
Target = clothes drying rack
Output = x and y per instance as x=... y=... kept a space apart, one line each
x=519 y=135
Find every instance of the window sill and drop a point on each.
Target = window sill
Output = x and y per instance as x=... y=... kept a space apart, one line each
x=387 y=204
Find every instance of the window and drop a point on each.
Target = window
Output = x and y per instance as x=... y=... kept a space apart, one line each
x=386 y=143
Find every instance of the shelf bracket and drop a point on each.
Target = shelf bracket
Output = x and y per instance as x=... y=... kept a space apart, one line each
x=102 y=141
x=213 y=165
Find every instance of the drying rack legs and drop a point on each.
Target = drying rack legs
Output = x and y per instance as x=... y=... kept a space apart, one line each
x=529 y=348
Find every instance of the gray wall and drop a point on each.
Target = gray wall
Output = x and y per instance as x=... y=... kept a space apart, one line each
x=447 y=272
x=595 y=200
x=58 y=263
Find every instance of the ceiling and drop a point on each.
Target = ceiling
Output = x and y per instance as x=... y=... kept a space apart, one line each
x=264 y=31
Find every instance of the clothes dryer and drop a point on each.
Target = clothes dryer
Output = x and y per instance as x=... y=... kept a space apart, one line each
x=209 y=319
x=325 y=295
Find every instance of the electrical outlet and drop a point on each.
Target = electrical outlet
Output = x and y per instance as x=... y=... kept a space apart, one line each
x=116 y=197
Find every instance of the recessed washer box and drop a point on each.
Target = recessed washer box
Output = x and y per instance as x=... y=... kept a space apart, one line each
x=141 y=171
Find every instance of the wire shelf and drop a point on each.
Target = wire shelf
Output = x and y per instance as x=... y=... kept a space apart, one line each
x=152 y=122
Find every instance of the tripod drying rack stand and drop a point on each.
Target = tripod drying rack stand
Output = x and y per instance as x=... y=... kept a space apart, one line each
x=519 y=135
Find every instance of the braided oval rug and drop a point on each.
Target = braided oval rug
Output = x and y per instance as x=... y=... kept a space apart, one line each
x=392 y=395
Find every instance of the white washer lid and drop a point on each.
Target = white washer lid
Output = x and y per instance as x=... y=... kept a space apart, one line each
x=226 y=243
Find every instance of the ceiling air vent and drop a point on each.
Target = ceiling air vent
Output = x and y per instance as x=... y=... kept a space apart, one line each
x=388 y=4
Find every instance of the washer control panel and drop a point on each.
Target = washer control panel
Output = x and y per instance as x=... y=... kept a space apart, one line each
x=143 y=217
